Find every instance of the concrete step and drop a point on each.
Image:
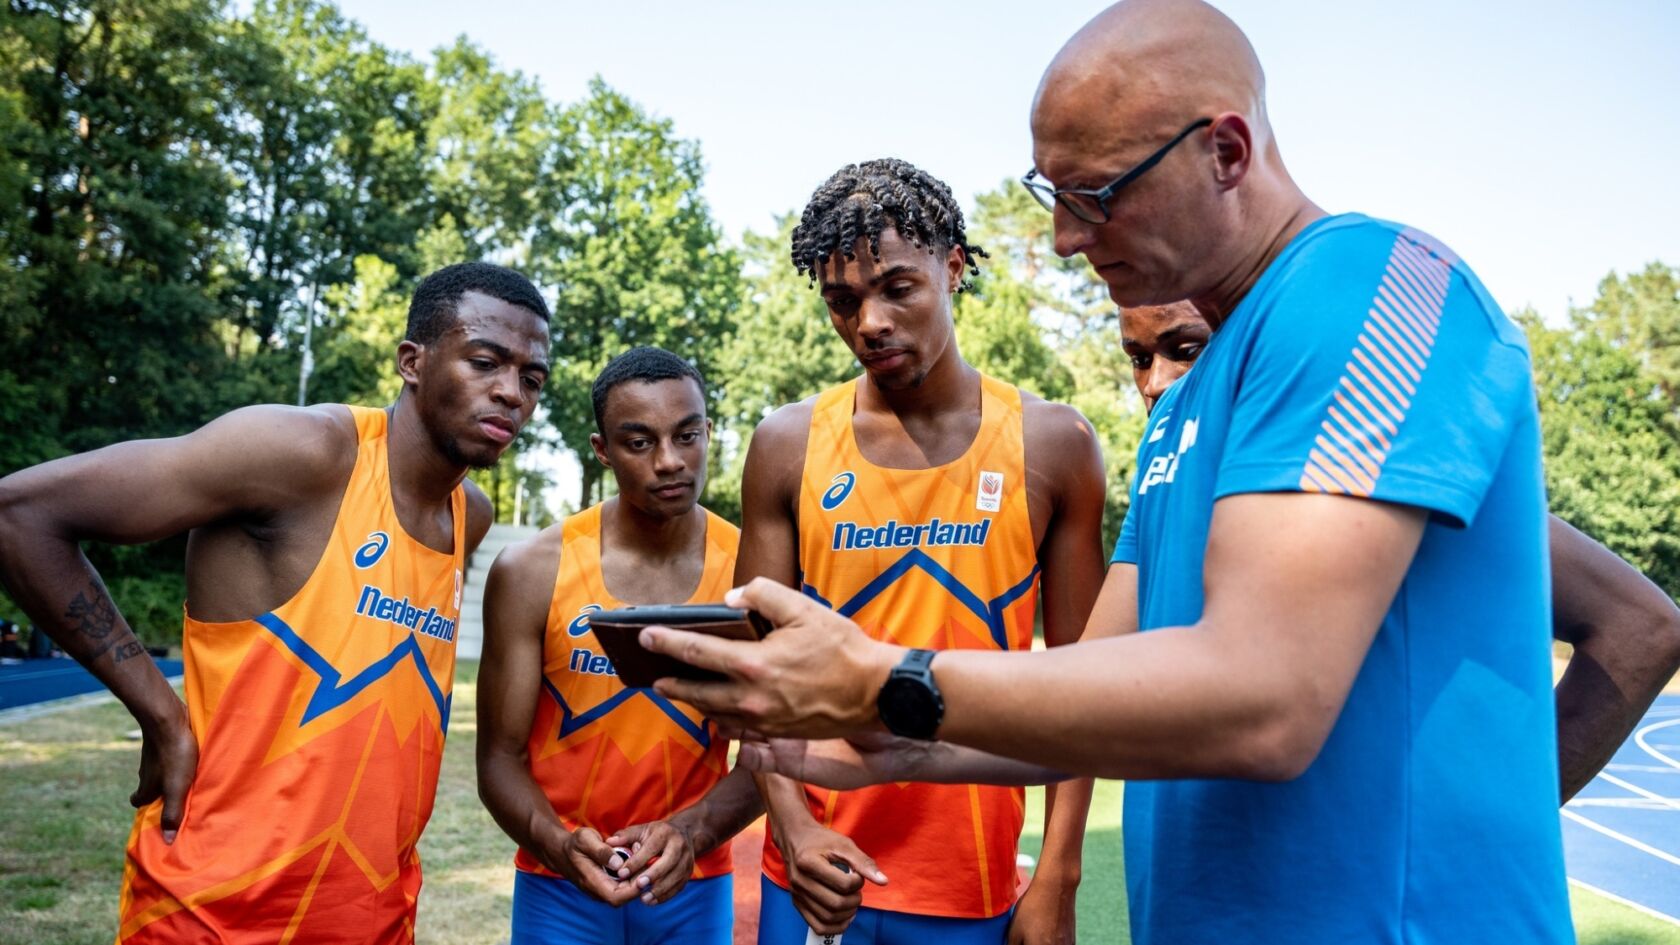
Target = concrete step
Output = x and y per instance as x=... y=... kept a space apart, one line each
x=469 y=636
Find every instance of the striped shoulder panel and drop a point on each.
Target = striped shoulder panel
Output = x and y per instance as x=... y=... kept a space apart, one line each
x=1383 y=371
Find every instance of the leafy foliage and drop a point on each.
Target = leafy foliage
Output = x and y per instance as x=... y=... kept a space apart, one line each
x=192 y=189
x=632 y=252
x=207 y=208
x=1612 y=445
x=1640 y=313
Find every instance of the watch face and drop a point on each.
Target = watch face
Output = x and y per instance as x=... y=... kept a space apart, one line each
x=909 y=708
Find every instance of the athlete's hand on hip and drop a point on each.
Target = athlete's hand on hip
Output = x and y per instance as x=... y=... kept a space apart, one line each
x=826 y=893
x=838 y=763
x=582 y=857
x=168 y=763
x=661 y=859
x=1045 y=914
x=816 y=676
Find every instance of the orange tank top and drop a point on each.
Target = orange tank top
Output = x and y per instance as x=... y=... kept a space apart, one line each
x=940 y=559
x=320 y=728
x=609 y=757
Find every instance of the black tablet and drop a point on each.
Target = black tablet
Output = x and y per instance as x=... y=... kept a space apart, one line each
x=619 y=630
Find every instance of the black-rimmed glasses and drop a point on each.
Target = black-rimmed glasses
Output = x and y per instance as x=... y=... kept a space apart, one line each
x=1092 y=205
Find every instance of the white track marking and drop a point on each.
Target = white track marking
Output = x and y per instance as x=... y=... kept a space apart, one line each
x=1639 y=738
x=1626 y=803
x=1637 y=845
x=1642 y=792
x=1644 y=769
x=1626 y=902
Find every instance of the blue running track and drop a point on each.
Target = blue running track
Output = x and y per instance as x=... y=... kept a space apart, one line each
x=35 y=681
x=1621 y=834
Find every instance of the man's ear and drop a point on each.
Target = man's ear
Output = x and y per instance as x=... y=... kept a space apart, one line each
x=410 y=355
x=1233 y=149
x=956 y=261
x=598 y=443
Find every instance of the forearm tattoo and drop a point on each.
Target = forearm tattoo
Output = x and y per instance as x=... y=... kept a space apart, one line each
x=131 y=648
x=91 y=614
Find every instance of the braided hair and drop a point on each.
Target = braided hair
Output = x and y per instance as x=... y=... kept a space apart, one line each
x=861 y=200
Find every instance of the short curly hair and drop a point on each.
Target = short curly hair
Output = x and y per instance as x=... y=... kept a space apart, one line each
x=646 y=364
x=432 y=310
x=862 y=200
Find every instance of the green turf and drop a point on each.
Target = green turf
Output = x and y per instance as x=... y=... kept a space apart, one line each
x=1601 y=921
x=64 y=819
x=1102 y=891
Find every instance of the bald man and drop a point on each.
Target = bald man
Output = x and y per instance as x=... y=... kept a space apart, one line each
x=1338 y=718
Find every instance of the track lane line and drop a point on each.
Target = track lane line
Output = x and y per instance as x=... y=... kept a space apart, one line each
x=1589 y=887
x=1636 y=844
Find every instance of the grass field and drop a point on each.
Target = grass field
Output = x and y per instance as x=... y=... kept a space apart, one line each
x=64 y=820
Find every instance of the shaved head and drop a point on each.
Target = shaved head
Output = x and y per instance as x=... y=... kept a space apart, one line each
x=1143 y=68
x=1203 y=222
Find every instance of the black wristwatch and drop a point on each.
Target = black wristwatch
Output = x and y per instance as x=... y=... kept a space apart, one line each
x=909 y=700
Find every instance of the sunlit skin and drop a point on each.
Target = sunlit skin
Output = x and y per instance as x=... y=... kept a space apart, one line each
x=655 y=444
x=1204 y=223
x=917 y=407
x=653 y=551
x=894 y=313
x=258 y=492
x=481 y=378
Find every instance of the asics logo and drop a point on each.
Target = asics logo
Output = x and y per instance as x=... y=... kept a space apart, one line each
x=837 y=492
x=373 y=550
x=580 y=624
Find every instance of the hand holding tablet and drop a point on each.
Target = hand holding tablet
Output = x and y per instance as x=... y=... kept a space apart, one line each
x=618 y=631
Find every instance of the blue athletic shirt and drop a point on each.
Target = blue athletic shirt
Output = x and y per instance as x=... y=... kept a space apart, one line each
x=1367 y=361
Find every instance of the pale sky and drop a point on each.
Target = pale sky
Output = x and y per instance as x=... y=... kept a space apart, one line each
x=1535 y=138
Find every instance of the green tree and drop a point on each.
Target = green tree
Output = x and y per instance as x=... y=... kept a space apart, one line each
x=997 y=334
x=632 y=252
x=1107 y=396
x=111 y=304
x=1640 y=313
x=113 y=123
x=1612 y=447
x=490 y=153
x=362 y=324
x=332 y=153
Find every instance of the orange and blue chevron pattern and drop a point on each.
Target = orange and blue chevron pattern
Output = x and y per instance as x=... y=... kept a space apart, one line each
x=320 y=728
x=608 y=757
x=943 y=559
